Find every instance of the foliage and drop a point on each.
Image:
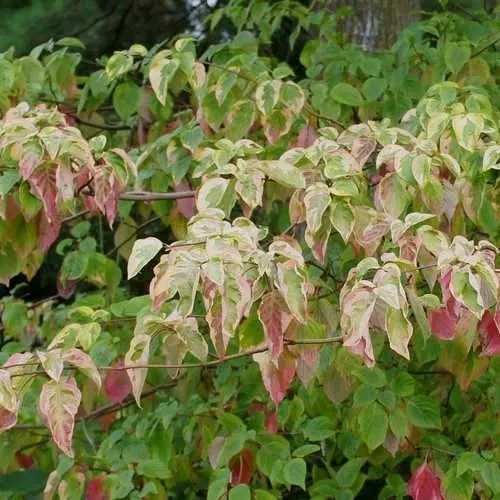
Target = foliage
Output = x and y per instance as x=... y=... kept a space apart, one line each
x=322 y=320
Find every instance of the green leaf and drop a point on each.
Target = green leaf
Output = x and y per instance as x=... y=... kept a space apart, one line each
x=143 y=251
x=241 y=492
x=306 y=449
x=294 y=472
x=398 y=423
x=373 y=425
x=24 y=482
x=118 y=64
x=74 y=265
x=319 y=428
x=126 y=99
x=349 y=472
x=316 y=200
x=240 y=119
x=270 y=453
x=373 y=88
x=455 y=56
x=7 y=181
x=374 y=377
x=160 y=75
x=423 y=411
x=233 y=444
x=490 y=474
x=153 y=468
x=345 y=93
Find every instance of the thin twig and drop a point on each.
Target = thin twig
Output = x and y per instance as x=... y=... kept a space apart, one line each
x=71 y=218
x=102 y=126
x=134 y=234
x=152 y=196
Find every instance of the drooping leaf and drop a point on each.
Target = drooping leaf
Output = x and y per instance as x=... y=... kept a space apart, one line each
x=117 y=384
x=138 y=354
x=84 y=363
x=274 y=319
x=59 y=402
x=143 y=251
x=425 y=484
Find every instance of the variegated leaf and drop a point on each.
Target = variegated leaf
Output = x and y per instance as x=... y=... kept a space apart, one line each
x=137 y=355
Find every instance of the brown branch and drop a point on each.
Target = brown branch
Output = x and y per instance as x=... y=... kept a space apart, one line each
x=76 y=216
x=102 y=126
x=152 y=196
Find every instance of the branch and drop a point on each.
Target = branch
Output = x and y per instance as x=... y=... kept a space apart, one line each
x=102 y=126
x=134 y=234
x=207 y=364
x=152 y=196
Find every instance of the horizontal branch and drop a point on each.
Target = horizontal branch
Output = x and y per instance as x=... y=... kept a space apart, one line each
x=152 y=196
x=207 y=364
x=102 y=126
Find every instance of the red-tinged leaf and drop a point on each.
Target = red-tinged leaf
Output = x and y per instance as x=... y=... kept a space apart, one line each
x=425 y=484
x=107 y=193
x=24 y=461
x=28 y=163
x=90 y=204
x=8 y=402
x=66 y=289
x=96 y=489
x=8 y=419
x=52 y=362
x=59 y=402
x=202 y=122
x=47 y=232
x=306 y=137
x=214 y=450
x=275 y=319
x=138 y=354
x=185 y=206
x=84 y=363
x=117 y=384
x=64 y=183
x=489 y=330
x=443 y=324
x=278 y=374
x=43 y=185
x=242 y=466
x=272 y=422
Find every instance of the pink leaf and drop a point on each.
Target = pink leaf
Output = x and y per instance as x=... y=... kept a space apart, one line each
x=117 y=385
x=7 y=419
x=272 y=422
x=306 y=137
x=107 y=193
x=96 y=489
x=64 y=183
x=47 y=232
x=425 y=484
x=59 y=402
x=278 y=374
x=443 y=324
x=43 y=185
x=185 y=206
x=489 y=330
x=274 y=320
x=84 y=363
x=66 y=289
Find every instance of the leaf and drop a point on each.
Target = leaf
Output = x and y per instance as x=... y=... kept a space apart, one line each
x=319 y=429
x=160 y=75
x=117 y=384
x=345 y=93
x=250 y=187
x=284 y=173
x=267 y=96
x=349 y=472
x=241 y=492
x=276 y=374
x=342 y=218
x=391 y=195
x=8 y=402
x=455 y=56
x=468 y=128
x=52 y=362
x=126 y=99
x=240 y=119
x=84 y=363
x=423 y=411
x=274 y=320
x=490 y=159
x=306 y=449
x=373 y=425
x=373 y=88
x=143 y=251
x=291 y=283
x=7 y=181
x=399 y=331
x=316 y=201
x=211 y=194
x=118 y=64
x=59 y=402
x=424 y=484
x=138 y=354
x=294 y=472
x=225 y=83
x=489 y=331
x=242 y=467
